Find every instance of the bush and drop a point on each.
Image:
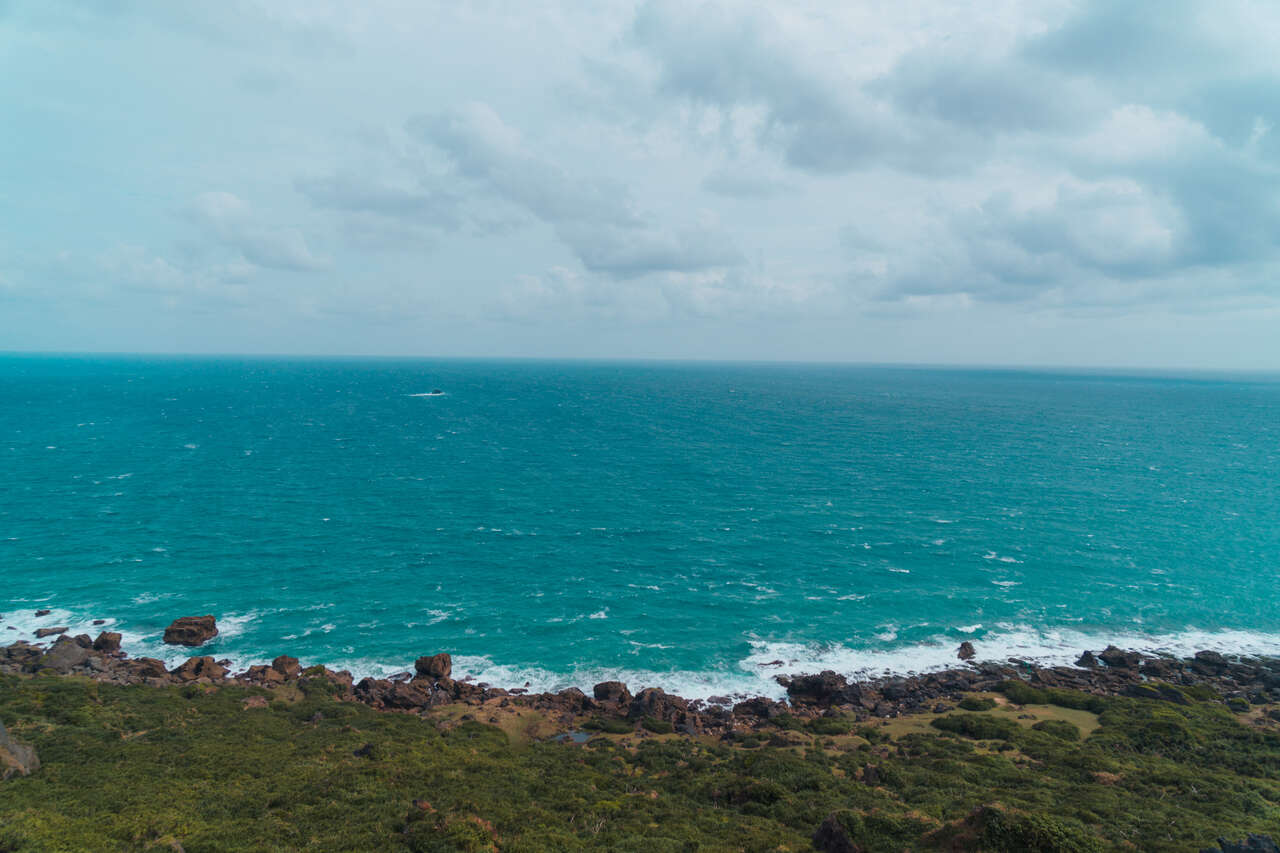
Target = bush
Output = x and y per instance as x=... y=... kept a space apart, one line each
x=658 y=727
x=1034 y=833
x=977 y=703
x=978 y=726
x=831 y=725
x=1059 y=729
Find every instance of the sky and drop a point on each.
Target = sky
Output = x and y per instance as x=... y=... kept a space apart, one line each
x=1090 y=183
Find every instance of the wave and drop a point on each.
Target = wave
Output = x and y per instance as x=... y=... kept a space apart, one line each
x=753 y=675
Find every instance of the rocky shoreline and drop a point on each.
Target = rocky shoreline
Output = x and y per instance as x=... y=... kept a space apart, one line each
x=1240 y=682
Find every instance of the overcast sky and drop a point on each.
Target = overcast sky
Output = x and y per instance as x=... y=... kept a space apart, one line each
x=1077 y=183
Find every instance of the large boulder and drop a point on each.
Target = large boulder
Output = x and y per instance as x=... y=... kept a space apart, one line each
x=825 y=688
x=108 y=642
x=612 y=691
x=287 y=666
x=191 y=631
x=656 y=703
x=195 y=669
x=65 y=655
x=434 y=666
x=41 y=633
x=16 y=759
x=966 y=651
x=1119 y=658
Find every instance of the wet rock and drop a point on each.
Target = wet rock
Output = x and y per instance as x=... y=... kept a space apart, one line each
x=761 y=707
x=287 y=666
x=65 y=655
x=825 y=688
x=191 y=631
x=107 y=642
x=99 y=621
x=966 y=651
x=16 y=759
x=1119 y=658
x=199 y=668
x=1087 y=660
x=1212 y=660
x=41 y=633
x=832 y=837
x=434 y=666
x=612 y=691
x=43 y=612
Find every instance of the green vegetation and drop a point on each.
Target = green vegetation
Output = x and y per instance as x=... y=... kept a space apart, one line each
x=139 y=768
x=977 y=703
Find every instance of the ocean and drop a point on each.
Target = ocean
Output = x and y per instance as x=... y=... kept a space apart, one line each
x=699 y=527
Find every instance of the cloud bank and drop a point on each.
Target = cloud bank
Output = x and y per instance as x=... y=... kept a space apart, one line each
x=1000 y=182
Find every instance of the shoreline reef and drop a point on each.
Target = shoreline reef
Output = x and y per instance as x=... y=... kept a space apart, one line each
x=1123 y=751
x=1238 y=681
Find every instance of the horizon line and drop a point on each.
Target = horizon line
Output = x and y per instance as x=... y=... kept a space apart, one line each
x=672 y=360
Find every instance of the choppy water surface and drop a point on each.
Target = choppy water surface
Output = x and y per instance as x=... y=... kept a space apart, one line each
x=669 y=524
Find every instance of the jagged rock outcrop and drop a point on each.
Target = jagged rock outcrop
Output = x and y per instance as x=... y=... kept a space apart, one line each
x=966 y=651
x=41 y=633
x=191 y=631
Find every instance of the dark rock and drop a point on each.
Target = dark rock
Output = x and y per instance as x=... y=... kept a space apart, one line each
x=966 y=651
x=832 y=837
x=41 y=633
x=287 y=666
x=1087 y=660
x=84 y=641
x=16 y=759
x=199 y=667
x=108 y=641
x=99 y=621
x=761 y=707
x=65 y=655
x=43 y=612
x=365 y=751
x=612 y=691
x=148 y=668
x=191 y=631
x=435 y=666
x=1119 y=658
x=654 y=702
x=825 y=688
x=1252 y=844
x=1211 y=659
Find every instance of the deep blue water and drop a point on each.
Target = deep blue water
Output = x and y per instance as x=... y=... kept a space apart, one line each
x=672 y=524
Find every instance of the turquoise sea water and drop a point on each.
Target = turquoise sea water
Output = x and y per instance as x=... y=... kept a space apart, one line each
x=677 y=525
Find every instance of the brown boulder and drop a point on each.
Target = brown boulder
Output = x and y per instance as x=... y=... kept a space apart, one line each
x=612 y=691
x=43 y=612
x=197 y=668
x=287 y=666
x=966 y=651
x=41 y=633
x=191 y=631
x=434 y=666
x=656 y=703
x=108 y=641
